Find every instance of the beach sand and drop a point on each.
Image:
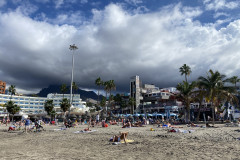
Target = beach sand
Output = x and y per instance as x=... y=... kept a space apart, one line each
x=203 y=143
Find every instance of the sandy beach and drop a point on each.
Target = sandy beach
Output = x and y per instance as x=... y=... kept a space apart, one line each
x=202 y=143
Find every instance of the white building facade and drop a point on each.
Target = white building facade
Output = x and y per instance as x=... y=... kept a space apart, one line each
x=77 y=104
x=35 y=105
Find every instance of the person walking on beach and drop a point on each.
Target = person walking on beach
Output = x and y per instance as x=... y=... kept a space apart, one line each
x=97 y=119
x=27 y=124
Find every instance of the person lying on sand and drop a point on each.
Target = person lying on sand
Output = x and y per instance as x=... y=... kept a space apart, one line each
x=123 y=136
x=87 y=129
x=193 y=125
x=168 y=125
x=128 y=124
x=138 y=124
x=208 y=126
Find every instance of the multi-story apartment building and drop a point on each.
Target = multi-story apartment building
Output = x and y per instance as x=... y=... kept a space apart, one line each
x=35 y=105
x=2 y=87
x=28 y=105
x=77 y=104
x=150 y=99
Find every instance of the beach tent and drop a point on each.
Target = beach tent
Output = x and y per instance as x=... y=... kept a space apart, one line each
x=173 y=115
x=136 y=114
x=150 y=115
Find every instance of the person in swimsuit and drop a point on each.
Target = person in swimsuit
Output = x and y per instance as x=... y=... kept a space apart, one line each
x=123 y=136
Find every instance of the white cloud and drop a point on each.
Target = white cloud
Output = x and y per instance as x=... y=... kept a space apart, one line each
x=2 y=2
x=220 y=14
x=134 y=2
x=26 y=8
x=59 y=3
x=84 y=1
x=116 y=44
x=220 y=4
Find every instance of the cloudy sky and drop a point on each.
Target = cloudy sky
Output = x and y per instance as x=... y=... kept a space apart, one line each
x=116 y=39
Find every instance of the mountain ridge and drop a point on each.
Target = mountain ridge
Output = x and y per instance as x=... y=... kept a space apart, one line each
x=57 y=89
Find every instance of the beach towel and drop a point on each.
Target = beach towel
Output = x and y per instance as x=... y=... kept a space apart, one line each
x=59 y=129
x=127 y=141
x=85 y=131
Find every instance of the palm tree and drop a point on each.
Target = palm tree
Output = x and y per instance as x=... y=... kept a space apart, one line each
x=98 y=82
x=123 y=105
x=65 y=105
x=233 y=80
x=112 y=87
x=12 y=108
x=12 y=90
x=185 y=70
x=185 y=94
x=64 y=89
x=199 y=96
x=216 y=92
x=48 y=106
x=132 y=102
x=103 y=102
x=107 y=89
x=75 y=87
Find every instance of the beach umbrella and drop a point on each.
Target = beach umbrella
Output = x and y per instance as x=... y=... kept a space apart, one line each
x=73 y=116
x=35 y=117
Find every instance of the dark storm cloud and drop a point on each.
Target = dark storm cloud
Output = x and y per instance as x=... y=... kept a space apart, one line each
x=115 y=44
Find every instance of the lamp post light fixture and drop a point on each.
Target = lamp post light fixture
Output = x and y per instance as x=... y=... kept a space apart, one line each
x=72 y=48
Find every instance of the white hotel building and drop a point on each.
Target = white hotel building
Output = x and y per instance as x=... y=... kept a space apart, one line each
x=35 y=105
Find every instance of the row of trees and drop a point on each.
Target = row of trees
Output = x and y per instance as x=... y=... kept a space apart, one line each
x=109 y=86
x=212 y=88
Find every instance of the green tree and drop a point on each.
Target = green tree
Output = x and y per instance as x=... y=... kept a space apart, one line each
x=112 y=87
x=64 y=89
x=99 y=83
x=123 y=105
x=65 y=105
x=52 y=114
x=185 y=92
x=12 y=108
x=132 y=103
x=107 y=90
x=185 y=70
x=213 y=83
x=75 y=88
x=12 y=90
x=199 y=96
x=103 y=102
x=48 y=106
x=234 y=80
x=117 y=98
x=108 y=87
x=89 y=104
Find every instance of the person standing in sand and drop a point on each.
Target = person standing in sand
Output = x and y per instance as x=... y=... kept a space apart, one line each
x=27 y=124
x=97 y=119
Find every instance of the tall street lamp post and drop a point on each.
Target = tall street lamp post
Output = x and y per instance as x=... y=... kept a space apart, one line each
x=72 y=48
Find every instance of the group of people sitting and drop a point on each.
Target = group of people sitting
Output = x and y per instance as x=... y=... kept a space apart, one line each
x=29 y=126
